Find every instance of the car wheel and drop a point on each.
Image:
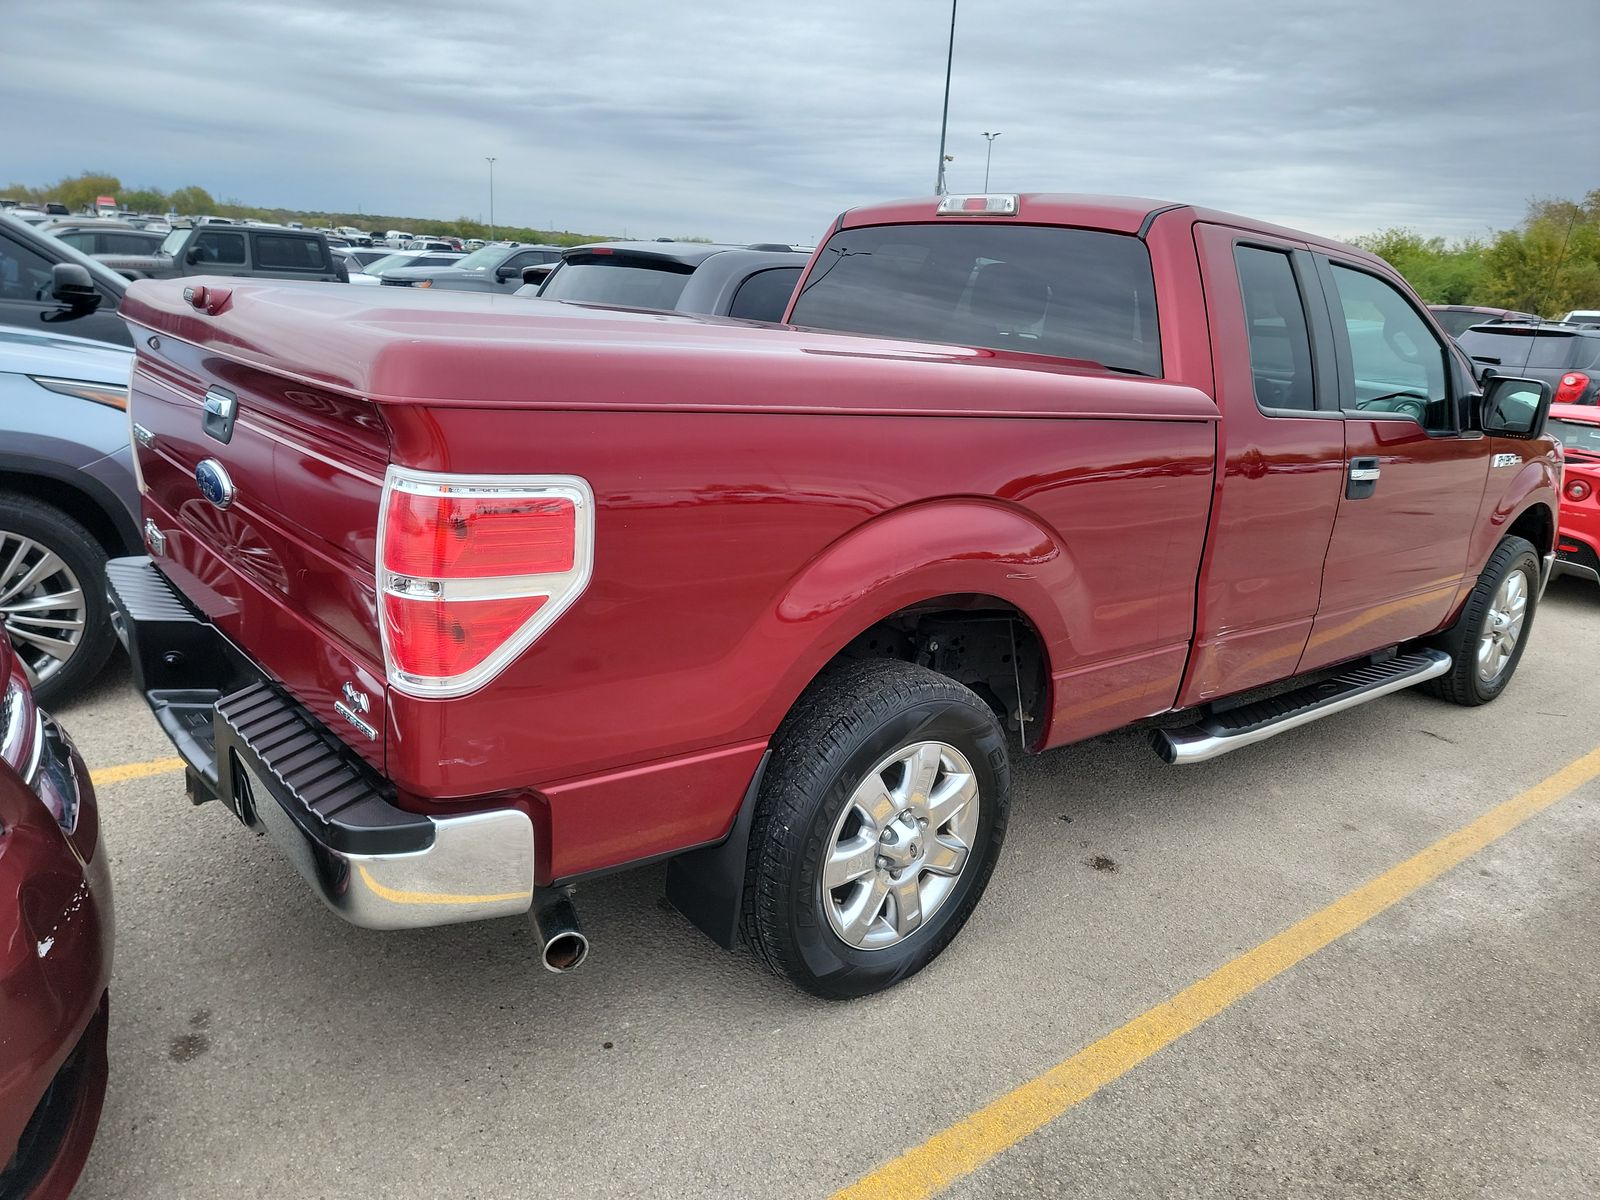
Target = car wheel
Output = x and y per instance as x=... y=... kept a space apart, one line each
x=1491 y=633
x=878 y=824
x=52 y=597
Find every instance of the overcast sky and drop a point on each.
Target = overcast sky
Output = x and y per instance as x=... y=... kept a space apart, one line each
x=751 y=120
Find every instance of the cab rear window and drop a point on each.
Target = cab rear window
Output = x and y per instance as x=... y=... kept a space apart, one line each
x=1077 y=294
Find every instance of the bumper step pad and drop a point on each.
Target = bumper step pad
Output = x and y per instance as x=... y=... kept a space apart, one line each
x=336 y=798
x=1234 y=728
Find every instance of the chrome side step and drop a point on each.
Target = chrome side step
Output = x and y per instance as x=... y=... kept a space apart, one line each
x=1248 y=724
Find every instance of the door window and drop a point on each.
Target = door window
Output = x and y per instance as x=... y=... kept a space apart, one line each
x=1280 y=344
x=1399 y=366
x=24 y=275
x=765 y=295
x=79 y=239
x=286 y=252
x=219 y=248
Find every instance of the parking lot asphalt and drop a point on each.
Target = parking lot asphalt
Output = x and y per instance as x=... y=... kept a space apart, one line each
x=1448 y=1047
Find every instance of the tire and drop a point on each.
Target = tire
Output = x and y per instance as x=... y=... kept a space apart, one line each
x=842 y=735
x=37 y=530
x=1467 y=640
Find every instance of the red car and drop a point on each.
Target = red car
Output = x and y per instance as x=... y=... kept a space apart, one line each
x=1577 y=426
x=55 y=950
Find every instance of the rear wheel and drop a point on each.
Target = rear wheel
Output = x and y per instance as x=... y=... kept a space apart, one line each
x=879 y=822
x=52 y=597
x=1491 y=633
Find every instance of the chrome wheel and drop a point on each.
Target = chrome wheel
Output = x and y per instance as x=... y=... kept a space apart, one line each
x=41 y=605
x=900 y=846
x=1502 y=626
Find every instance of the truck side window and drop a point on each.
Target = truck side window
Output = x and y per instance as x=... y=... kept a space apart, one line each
x=1399 y=365
x=765 y=295
x=1280 y=344
x=220 y=248
x=286 y=252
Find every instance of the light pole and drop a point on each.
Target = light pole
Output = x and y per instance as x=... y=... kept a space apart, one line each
x=490 y=161
x=989 y=150
x=944 y=123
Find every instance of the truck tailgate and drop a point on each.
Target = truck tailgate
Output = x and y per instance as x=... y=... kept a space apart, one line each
x=265 y=509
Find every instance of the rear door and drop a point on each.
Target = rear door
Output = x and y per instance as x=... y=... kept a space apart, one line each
x=1414 y=475
x=1281 y=462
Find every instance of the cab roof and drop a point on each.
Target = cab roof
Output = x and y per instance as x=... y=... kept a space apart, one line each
x=1114 y=214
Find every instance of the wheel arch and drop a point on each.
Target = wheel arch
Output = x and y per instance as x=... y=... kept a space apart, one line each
x=891 y=586
x=78 y=494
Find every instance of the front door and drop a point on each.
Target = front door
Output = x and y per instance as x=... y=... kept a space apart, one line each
x=1414 y=479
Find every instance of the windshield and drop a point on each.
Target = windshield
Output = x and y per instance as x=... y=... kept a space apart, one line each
x=389 y=262
x=173 y=241
x=1576 y=435
x=1076 y=294
x=485 y=259
x=618 y=279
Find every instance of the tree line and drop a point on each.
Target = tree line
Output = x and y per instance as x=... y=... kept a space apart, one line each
x=1548 y=264
x=80 y=191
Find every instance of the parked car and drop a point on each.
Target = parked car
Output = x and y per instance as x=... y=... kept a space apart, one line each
x=777 y=603
x=425 y=243
x=46 y=286
x=1583 y=316
x=118 y=245
x=686 y=276
x=1565 y=356
x=1456 y=319
x=397 y=238
x=257 y=251
x=353 y=235
x=359 y=258
x=492 y=269
x=400 y=259
x=55 y=949
x=68 y=501
x=1577 y=428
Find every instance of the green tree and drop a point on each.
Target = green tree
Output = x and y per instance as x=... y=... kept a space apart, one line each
x=1551 y=262
x=81 y=191
x=192 y=200
x=1441 y=273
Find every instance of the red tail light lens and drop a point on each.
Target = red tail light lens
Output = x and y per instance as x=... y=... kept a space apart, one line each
x=441 y=535
x=1578 y=490
x=472 y=570
x=1573 y=384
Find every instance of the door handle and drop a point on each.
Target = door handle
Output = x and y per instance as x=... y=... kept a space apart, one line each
x=1363 y=478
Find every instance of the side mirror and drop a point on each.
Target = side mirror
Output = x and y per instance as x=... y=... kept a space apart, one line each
x=72 y=285
x=1514 y=408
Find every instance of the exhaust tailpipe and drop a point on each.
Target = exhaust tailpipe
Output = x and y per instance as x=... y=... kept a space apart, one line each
x=563 y=946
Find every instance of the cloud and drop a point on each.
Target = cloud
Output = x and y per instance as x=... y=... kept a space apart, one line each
x=757 y=121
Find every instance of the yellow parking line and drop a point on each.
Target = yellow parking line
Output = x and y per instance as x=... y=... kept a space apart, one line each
x=138 y=770
x=928 y=1169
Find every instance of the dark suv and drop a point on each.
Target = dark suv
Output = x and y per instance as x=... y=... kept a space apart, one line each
x=1565 y=356
x=257 y=251
x=753 y=282
x=1458 y=318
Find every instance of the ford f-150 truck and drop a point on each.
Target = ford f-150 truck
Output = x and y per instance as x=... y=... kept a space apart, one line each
x=464 y=601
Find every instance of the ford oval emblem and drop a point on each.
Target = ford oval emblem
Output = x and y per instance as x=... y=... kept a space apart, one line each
x=214 y=483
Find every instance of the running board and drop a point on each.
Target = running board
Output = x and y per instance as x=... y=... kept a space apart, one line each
x=1248 y=724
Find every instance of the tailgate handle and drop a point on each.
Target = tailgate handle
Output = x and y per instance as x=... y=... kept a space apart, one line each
x=221 y=407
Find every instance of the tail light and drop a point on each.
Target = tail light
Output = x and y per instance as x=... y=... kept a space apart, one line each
x=1578 y=490
x=471 y=570
x=1573 y=384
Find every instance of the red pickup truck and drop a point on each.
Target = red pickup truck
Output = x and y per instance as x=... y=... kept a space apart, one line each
x=465 y=600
